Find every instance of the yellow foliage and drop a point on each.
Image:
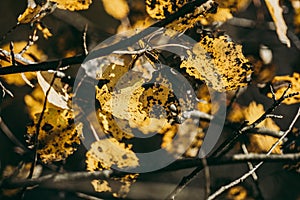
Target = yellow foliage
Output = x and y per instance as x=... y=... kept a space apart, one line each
x=16 y=79
x=296 y=6
x=35 y=101
x=101 y=186
x=46 y=32
x=118 y=9
x=280 y=87
x=108 y=152
x=58 y=135
x=218 y=62
x=234 y=5
x=238 y=193
x=260 y=143
x=36 y=12
x=161 y=9
x=222 y=15
x=72 y=4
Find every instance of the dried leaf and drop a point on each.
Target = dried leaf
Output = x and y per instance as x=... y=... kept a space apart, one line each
x=109 y=152
x=276 y=13
x=219 y=62
x=161 y=9
x=280 y=84
x=122 y=8
x=101 y=186
x=260 y=143
x=58 y=135
x=72 y=4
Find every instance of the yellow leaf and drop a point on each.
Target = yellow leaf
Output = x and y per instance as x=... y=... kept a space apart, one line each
x=126 y=182
x=238 y=193
x=118 y=9
x=276 y=13
x=234 y=5
x=260 y=143
x=34 y=101
x=218 y=62
x=101 y=186
x=58 y=135
x=160 y=9
x=46 y=32
x=32 y=54
x=222 y=15
x=36 y=12
x=296 y=6
x=72 y=4
x=108 y=152
x=280 y=84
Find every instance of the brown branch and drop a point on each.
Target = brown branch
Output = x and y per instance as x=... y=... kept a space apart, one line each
x=177 y=165
x=44 y=66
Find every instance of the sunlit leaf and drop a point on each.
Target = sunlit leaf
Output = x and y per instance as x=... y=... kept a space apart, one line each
x=72 y=4
x=108 y=152
x=238 y=193
x=122 y=8
x=296 y=6
x=101 y=186
x=280 y=84
x=35 y=12
x=33 y=53
x=260 y=143
x=58 y=136
x=218 y=62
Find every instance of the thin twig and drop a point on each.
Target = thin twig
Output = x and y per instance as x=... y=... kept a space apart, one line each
x=38 y=126
x=5 y=90
x=184 y=182
x=246 y=175
x=187 y=8
x=12 y=54
x=254 y=175
x=85 y=49
x=228 y=143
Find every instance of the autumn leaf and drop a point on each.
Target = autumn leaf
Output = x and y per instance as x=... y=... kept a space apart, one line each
x=218 y=62
x=35 y=12
x=72 y=4
x=121 y=5
x=161 y=9
x=276 y=13
x=33 y=53
x=238 y=193
x=260 y=143
x=58 y=136
x=296 y=6
x=280 y=84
